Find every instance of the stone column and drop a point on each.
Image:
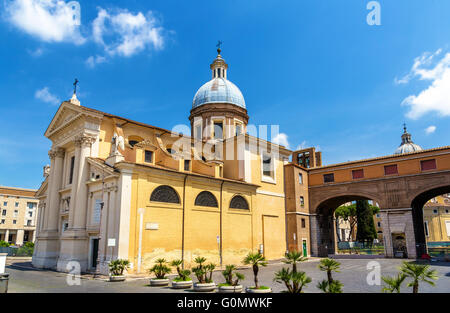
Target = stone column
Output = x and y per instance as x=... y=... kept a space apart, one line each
x=315 y=235
x=79 y=216
x=19 y=237
x=75 y=242
x=51 y=155
x=7 y=235
x=53 y=210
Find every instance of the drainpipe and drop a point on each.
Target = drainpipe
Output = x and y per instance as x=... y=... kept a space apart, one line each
x=285 y=210
x=220 y=242
x=182 y=223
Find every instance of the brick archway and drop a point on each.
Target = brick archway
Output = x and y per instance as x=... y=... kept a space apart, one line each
x=400 y=196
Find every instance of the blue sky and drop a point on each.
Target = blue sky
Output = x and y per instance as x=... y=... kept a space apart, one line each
x=316 y=68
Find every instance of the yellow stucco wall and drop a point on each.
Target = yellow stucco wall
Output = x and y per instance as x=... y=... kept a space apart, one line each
x=242 y=231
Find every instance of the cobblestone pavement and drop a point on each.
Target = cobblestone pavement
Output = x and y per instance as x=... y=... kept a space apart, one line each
x=353 y=274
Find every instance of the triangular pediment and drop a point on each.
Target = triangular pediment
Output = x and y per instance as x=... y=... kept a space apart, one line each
x=66 y=114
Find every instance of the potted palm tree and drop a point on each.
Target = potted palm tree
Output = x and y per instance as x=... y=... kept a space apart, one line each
x=330 y=285
x=256 y=260
x=418 y=273
x=116 y=269
x=393 y=284
x=294 y=280
x=204 y=275
x=183 y=280
x=232 y=279
x=160 y=269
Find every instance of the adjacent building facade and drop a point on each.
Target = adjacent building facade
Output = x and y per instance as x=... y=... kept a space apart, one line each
x=18 y=213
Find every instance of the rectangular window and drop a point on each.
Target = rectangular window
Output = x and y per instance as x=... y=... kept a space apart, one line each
x=5 y=203
x=17 y=204
x=328 y=178
x=303 y=223
x=14 y=222
x=426 y=229
x=218 y=130
x=28 y=222
x=31 y=205
x=358 y=174
x=3 y=222
x=16 y=213
x=428 y=165
x=30 y=214
x=187 y=165
x=302 y=201
x=379 y=224
x=390 y=169
x=447 y=227
x=267 y=165
x=72 y=165
x=4 y=213
x=96 y=212
x=300 y=178
x=198 y=132
x=238 y=129
x=148 y=156
x=435 y=211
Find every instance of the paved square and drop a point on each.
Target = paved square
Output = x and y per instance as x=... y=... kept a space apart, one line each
x=353 y=275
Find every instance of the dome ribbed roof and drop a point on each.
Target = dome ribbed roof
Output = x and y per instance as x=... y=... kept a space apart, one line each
x=218 y=90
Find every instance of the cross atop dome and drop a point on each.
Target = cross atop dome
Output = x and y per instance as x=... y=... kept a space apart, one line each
x=219 y=66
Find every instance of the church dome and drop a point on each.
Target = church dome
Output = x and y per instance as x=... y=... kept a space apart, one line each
x=218 y=90
x=407 y=144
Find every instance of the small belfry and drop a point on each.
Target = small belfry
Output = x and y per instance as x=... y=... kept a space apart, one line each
x=218 y=108
x=407 y=144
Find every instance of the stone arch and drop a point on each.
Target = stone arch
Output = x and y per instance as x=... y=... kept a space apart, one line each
x=239 y=202
x=165 y=194
x=206 y=198
x=417 y=202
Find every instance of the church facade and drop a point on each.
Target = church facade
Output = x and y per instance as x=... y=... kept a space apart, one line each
x=118 y=188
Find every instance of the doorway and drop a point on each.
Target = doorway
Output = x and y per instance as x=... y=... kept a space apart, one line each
x=304 y=248
x=94 y=253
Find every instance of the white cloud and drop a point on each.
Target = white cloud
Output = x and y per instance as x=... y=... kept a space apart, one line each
x=436 y=97
x=281 y=139
x=430 y=129
x=45 y=95
x=36 y=53
x=92 y=61
x=126 y=34
x=48 y=20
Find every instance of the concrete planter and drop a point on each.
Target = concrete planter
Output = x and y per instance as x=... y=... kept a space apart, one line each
x=208 y=287
x=116 y=278
x=182 y=284
x=231 y=289
x=4 y=279
x=253 y=290
x=154 y=282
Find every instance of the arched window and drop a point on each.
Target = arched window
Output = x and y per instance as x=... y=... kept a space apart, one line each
x=205 y=198
x=238 y=202
x=165 y=194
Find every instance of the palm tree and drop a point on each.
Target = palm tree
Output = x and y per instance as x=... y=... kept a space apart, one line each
x=329 y=266
x=393 y=283
x=299 y=280
x=255 y=260
x=334 y=287
x=294 y=257
x=418 y=273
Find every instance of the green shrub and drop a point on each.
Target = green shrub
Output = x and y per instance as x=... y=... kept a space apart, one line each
x=117 y=267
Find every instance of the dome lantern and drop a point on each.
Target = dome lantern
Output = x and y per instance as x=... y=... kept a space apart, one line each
x=407 y=144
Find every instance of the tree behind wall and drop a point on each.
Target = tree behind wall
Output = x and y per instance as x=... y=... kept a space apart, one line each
x=366 y=231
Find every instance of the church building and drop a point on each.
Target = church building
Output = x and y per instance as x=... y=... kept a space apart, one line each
x=119 y=188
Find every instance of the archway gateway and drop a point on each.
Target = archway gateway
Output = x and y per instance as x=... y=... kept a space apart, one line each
x=400 y=184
